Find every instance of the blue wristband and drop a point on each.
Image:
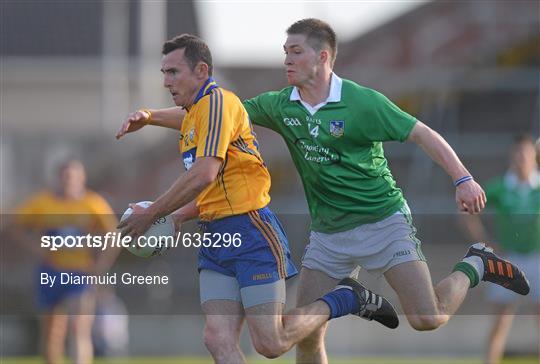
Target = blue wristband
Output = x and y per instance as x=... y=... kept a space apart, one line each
x=461 y=180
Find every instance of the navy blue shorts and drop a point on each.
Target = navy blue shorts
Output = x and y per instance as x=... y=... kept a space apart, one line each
x=48 y=297
x=262 y=256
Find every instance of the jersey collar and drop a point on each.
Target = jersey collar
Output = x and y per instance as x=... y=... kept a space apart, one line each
x=511 y=181
x=335 y=91
x=208 y=86
x=333 y=96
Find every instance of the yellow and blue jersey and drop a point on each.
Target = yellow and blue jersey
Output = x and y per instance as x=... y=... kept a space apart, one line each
x=49 y=214
x=217 y=125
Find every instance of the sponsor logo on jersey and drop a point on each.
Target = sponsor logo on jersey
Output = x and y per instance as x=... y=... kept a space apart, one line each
x=291 y=122
x=312 y=120
x=189 y=158
x=316 y=153
x=337 y=128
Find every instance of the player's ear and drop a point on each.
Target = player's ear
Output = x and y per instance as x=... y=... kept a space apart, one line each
x=201 y=69
x=324 y=56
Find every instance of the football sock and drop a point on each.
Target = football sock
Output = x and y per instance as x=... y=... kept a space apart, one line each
x=472 y=267
x=342 y=302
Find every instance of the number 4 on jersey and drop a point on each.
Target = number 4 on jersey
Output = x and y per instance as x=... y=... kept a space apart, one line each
x=314 y=131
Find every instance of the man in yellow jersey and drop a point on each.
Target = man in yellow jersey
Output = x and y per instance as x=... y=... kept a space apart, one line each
x=229 y=182
x=69 y=209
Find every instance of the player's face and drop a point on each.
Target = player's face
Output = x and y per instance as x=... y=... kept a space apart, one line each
x=183 y=82
x=524 y=159
x=301 y=60
x=72 y=178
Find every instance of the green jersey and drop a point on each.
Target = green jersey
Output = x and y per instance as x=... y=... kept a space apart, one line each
x=517 y=212
x=337 y=149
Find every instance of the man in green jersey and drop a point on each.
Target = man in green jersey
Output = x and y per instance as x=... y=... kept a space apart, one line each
x=515 y=200
x=334 y=130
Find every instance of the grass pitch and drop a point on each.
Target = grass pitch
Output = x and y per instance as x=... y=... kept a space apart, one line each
x=258 y=360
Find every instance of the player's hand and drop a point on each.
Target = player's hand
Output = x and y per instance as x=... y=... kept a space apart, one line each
x=470 y=197
x=137 y=223
x=134 y=121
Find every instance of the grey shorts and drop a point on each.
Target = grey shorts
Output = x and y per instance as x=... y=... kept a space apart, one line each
x=375 y=247
x=218 y=286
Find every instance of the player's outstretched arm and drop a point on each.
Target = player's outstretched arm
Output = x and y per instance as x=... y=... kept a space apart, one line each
x=168 y=118
x=470 y=197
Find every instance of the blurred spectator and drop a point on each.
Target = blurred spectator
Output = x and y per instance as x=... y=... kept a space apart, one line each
x=67 y=209
x=515 y=200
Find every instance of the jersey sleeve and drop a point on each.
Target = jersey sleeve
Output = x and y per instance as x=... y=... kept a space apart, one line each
x=215 y=125
x=260 y=109
x=386 y=121
x=105 y=218
x=27 y=213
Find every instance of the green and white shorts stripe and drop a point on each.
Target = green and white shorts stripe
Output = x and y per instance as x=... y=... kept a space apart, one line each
x=375 y=247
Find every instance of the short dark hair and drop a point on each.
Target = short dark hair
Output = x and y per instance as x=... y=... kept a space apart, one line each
x=318 y=33
x=522 y=139
x=68 y=162
x=195 y=50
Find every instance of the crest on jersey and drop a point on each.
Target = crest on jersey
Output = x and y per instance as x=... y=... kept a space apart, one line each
x=337 y=127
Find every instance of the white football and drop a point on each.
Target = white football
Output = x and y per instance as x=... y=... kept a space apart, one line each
x=156 y=240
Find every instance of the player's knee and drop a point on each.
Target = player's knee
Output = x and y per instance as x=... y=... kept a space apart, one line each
x=216 y=340
x=270 y=348
x=427 y=322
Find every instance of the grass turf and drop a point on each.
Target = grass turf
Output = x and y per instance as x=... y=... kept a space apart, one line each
x=203 y=360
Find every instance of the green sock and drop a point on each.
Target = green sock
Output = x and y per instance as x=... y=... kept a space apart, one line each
x=469 y=271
